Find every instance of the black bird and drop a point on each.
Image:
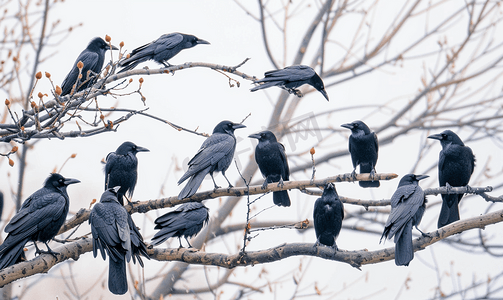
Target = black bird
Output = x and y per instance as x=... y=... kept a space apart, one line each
x=121 y=170
x=161 y=50
x=271 y=159
x=407 y=208
x=111 y=235
x=215 y=155
x=328 y=215
x=291 y=78
x=187 y=220
x=363 y=146
x=39 y=219
x=455 y=167
x=92 y=57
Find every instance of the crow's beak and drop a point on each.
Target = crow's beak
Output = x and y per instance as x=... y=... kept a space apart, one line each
x=114 y=48
x=141 y=149
x=324 y=93
x=237 y=126
x=200 y=41
x=421 y=177
x=348 y=126
x=115 y=189
x=330 y=186
x=69 y=181
x=254 y=136
x=436 y=137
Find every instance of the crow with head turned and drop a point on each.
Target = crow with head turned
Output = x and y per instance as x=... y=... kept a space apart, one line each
x=363 y=147
x=327 y=217
x=111 y=236
x=408 y=204
x=271 y=159
x=215 y=155
x=39 y=219
x=187 y=220
x=121 y=170
x=92 y=59
x=161 y=50
x=455 y=167
x=290 y=78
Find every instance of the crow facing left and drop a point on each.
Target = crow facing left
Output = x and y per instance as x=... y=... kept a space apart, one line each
x=39 y=219
x=93 y=58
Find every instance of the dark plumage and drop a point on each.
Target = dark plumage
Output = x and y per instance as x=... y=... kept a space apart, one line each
x=111 y=235
x=161 y=50
x=215 y=155
x=39 y=219
x=92 y=57
x=121 y=170
x=363 y=146
x=187 y=220
x=273 y=164
x=455 y=167
x=291 y=78
x=328 y=215
x=407 y=208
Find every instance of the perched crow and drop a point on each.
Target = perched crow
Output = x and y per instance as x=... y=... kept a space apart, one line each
x=111 y=235
x=39 y=219
x=328 y=215
x=455 y=167
x=187 y=220
x=161 y=50
x=271 y=159
x=121 y=170
x=363 y=146
x=291 y=78
x=215 y=155
x=407 y=208
x=92 y=57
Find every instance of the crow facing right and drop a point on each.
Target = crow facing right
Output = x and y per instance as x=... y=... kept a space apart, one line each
x=290 y=78
x=407 y=208
x=39 y=219
x=215 y=155
x=161 y=50
x=273 y=164
x=187 y=220
x=93 y=58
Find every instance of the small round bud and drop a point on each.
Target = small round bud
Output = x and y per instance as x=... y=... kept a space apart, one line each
x=80 y=65
x=102 y=117
x=130 y=80
x=47 y=74
x=94 y=201
x=141 y=80
x=11 y=162
x=40 y=95
x=14 y=58
x=58 y=90
x=128 y=55
x=33 y=104
x=108 y=38
x=73 y=155
x=7 y=102
x=38 y=75
x=22 y=128
x=121 y=44
x=312 y=151
x=14 y=149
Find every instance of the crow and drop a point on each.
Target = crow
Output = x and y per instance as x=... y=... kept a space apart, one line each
x=92 y=57
x=273 y=164
x=161 y=50
x=328 y=215
x=363 y=147
x=215 y=155
x=121 y=170
x=187 y=220
x=407 y=208
x=111 y=235
x=455 y=167
x=39 y=219
x=290 y=78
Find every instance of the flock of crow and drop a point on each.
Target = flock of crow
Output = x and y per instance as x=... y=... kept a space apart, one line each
x=113 y=231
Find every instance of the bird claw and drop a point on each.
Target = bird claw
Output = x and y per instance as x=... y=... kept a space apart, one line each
x=264 y=185
x=54 y=254
x=372 y=174
x=448 y=187
x=353 y=175
x=469 y=189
